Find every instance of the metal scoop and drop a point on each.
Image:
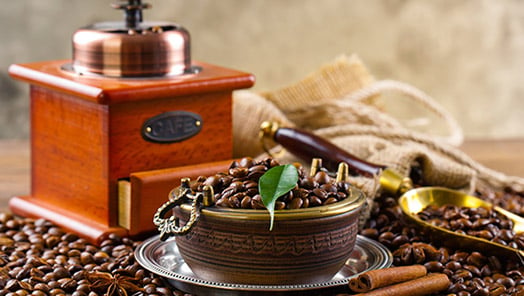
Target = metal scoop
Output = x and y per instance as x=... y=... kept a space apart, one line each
x=306 y=145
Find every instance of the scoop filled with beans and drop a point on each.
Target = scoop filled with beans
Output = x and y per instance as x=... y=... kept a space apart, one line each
x=480 y=222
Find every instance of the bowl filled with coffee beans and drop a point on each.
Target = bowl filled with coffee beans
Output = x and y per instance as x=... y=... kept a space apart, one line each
x=264 y=223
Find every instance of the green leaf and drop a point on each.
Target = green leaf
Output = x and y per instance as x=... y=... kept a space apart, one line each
x=274 y=183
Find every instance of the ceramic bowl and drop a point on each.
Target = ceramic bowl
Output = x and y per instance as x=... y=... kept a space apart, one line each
x=307 y=245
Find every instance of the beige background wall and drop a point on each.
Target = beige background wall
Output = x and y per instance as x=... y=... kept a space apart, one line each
x=467 y=54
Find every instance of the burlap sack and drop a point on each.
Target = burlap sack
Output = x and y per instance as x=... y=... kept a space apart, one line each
x=343 y=103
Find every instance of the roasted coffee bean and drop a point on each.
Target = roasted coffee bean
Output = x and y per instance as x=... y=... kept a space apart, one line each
x=370 y=233
x=238 y=172
x=256 y=171
x=320 y=193
x=250 y=184
x=279 y=205
x=86 y=258
x=69 y=237
x=481 y=291
x=305 y=202
x=330 y=200
x=212 y=181
x=235 y=200
x=295 y=203
x=150 y=288
x=314 y=201
x=67 y=284
x=288 y=197
x=399 y=240
x=476 y=259
x=434 y=266
x=329 y=187
x=382 y=220
x=12 y=285
x=308 y=183
x=506 y=281
x=321 y=177
x=506 y=235
x=38 y=293
x=246 y=162
x=223 y=202
x=56 y=292
x=473 y=269
x=495 y=264
x=246 y=202
x=496 y=290
x=386 y=237
x=256 y=202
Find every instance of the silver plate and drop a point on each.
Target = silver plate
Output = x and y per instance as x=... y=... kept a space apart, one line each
x=164 y=259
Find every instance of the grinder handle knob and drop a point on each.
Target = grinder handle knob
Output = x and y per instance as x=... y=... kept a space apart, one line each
x=132 y=11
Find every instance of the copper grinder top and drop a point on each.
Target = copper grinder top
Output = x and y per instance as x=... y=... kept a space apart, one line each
x=132 y=48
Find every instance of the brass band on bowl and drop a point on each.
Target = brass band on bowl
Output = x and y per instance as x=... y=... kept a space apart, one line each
x=353 y=202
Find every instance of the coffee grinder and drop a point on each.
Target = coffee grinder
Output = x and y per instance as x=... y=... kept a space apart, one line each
x=131 y=101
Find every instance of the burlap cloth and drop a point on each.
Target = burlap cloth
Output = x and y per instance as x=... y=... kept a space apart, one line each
x=343 y=103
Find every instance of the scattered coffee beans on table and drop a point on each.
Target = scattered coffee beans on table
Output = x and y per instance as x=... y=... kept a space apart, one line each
x=471 y=272
x=39 y=258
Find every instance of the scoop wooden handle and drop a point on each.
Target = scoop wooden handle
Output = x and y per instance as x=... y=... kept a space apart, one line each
x=306 y=146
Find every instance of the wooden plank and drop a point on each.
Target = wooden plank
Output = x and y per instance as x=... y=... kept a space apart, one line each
x=504 y=155
x=14 y=170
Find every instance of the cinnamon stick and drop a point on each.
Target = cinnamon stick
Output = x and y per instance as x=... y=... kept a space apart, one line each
x=378 y=278
x=427 y=285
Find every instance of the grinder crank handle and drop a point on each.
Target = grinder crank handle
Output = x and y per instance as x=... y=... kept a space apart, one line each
x=306 y=145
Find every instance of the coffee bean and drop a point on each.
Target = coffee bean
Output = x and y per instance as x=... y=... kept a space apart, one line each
x=370 y=233
x=314 y=201
x=279 y=205
x=224 y=202
x=506 y=281
x=296 y=203
x=246 y=162
x=476 y=259
x=321 y=177
x=150 y=288
x=305 y=202
x=256 y=202
x=56 y=292
x=238 y=172
x=320 y=193
x=246 y=202
x=308 y=183
x=330 y=200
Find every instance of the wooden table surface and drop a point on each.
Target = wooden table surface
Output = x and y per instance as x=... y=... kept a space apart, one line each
x=506 y=156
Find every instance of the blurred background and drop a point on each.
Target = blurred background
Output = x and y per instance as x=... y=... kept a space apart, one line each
x=468 y=55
